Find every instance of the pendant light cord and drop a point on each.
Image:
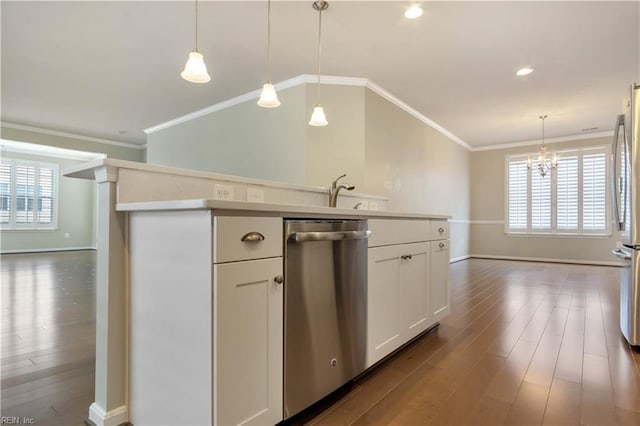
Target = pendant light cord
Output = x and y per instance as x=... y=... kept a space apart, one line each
x=197 y=26
x=269 y=41
x=319 y=48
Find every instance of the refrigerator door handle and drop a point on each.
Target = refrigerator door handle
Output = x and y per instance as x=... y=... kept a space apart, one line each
x=621 y=254
x=618 y=183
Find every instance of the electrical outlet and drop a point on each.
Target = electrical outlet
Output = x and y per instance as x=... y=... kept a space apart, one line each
x=222 y=192
x=255 y=195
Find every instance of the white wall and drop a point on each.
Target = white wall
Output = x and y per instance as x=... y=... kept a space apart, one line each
x=243 y=140
x=339 y=147
x=75 y=214
x=36 y=136
x=488 y=237
x=383 y=150
x=76 y=196
x=417 y=167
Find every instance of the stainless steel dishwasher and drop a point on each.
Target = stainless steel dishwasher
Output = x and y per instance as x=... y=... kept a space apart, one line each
x=325 y=308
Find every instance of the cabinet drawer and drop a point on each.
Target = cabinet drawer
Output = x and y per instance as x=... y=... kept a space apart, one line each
x=439 y=230
x=441 y=245
x=244 y=238
x=389 y=231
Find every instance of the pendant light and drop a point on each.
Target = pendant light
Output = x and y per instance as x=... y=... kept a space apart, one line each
x=318 y=118
x=268 y=96
x=543 y=164
x=195 y=70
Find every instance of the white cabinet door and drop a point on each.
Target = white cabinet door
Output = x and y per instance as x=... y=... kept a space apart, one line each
x=414 y=290
x=397 y=297
x=383 y=302
x=248 y=348
x=440 y=298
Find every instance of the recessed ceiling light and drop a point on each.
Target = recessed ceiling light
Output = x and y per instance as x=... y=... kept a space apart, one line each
x=413 y=12
x=524 y=71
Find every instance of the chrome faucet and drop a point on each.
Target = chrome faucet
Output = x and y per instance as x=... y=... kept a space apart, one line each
x=335 y=188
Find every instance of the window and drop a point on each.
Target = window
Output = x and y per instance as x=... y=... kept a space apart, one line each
x=572 y=199
x=28 y=195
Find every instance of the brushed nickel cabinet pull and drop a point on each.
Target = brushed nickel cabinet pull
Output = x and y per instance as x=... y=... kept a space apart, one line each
x=441 y=245
x=441 y=230
x=279 y=279
x=252 y=237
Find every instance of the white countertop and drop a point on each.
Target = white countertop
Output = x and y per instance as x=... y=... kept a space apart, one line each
x=241 y=208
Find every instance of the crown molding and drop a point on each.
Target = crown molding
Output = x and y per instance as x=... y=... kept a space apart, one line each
x=546 y=141
x=70 y=135
x=17 y=147
x=313 y=79
x=405 y=107
x=255 y=94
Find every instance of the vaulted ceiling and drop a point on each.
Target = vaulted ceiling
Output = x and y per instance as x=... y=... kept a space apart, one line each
x=111 y=69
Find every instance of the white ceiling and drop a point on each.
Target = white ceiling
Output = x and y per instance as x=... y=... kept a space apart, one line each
x=100 y=68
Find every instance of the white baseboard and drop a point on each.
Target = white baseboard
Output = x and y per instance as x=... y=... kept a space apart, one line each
x=114 y=417
x=459 y=258
x=544 y=259
x=45 y=250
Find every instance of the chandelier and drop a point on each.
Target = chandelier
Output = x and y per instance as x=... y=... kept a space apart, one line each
x=542 y=163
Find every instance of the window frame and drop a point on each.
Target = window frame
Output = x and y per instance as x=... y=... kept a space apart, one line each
x=580 y=152
x=13 y=225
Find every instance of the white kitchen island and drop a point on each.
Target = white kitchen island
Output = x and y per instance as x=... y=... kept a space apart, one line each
x=206 y=304
x=131 y=194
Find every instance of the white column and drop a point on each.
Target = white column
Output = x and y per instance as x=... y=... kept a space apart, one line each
x=110 y=405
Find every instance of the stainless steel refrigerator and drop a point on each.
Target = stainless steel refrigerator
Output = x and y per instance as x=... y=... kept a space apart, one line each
x=626 y=210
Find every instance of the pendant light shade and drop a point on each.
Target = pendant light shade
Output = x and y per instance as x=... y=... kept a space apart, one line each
x=318 y=118
x=195 y=70
x=268 y=96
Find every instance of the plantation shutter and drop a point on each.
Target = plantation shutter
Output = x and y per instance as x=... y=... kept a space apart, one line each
x=518 y=194
x=5 y=193
x=540 y=201
x=46 y=178
x=570 y=199
x=594 y=192
x=25 y=194
x=567 y=193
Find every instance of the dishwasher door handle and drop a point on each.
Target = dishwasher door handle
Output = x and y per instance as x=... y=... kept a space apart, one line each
x=302 y=237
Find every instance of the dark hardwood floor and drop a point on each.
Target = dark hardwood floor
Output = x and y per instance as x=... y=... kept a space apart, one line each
x=526 y=343
x=48 y=336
